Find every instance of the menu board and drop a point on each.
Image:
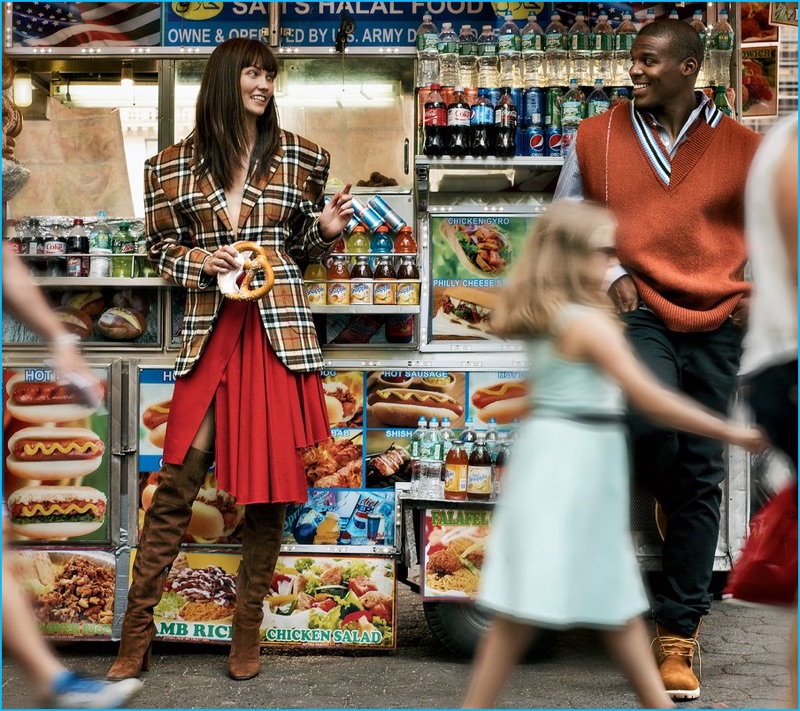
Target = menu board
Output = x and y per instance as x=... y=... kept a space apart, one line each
x=470 y=259
x=453 y=548
x=56 y=476
x=71 y=591
x=312 y=600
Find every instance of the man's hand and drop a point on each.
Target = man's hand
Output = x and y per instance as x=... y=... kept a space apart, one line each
x=741 y=313
x=624 y=294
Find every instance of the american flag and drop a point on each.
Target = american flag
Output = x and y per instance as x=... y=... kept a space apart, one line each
x=86 y=24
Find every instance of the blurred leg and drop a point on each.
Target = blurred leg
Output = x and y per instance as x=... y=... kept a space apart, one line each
x=630 y=647
x=498 y=653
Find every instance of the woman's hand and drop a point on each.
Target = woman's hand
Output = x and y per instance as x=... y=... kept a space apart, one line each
x=223 y=260
x=336 y=214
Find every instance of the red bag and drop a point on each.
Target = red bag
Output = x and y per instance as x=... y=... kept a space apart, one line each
x=766 y=571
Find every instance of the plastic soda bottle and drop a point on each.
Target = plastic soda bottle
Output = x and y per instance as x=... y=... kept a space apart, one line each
x=458 y=124
x=358 y=242
x=505 y=125
x=404 y=242
x=435 y=123
x=123 y=247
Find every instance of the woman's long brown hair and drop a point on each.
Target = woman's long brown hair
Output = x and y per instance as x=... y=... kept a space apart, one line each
x=220 y=135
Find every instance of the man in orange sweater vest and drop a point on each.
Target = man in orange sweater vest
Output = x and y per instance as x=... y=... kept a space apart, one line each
x=672 y=169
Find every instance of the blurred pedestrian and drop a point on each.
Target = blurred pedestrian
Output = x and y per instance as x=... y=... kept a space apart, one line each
x=560 y=553
x=769 y=362
x=671 y=168
x=248 y=385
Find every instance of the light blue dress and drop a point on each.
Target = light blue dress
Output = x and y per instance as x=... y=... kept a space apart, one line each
x=560 y=551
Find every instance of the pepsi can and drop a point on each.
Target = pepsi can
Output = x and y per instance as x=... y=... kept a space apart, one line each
x=534 y=107
x=552 y=146
x=492 y=94
x=390 y=217
x=518 y=99
x=534 y=141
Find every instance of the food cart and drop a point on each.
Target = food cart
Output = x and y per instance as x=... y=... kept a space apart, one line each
x=347 y=81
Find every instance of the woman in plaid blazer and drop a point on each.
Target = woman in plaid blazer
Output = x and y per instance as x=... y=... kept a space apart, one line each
x=248 y=386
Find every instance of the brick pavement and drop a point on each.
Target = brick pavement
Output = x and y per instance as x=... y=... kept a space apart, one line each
x=744 y=652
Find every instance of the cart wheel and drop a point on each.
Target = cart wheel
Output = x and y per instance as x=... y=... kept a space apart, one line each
x=458 y=626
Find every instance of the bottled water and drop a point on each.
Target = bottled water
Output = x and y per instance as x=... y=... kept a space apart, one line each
x=422 y=426
x=467 y=57
x=580 y=46
x=598 y=101
x=555 y=52
x=431 y=458
x=720 y=50
x=448 y=55
x=427 y=55
x=492 y=438
x=468 y=435
x=603 y=50
x=100 y=247
x=447 y=436
x=623 y=41
x=509 y=44
x=699 y=26
x=650 y=17
x=573 y=111
x=487 y=59
x=532 y=53
x=673 y=14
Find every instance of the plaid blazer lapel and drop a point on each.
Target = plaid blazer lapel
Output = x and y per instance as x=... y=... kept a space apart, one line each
x=253 y=189
x=213 y=193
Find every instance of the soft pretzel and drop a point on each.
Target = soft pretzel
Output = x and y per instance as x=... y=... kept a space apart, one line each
x=258 y=262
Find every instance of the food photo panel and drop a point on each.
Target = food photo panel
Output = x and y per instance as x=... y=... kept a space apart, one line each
x=503 y=395
x=56 y=472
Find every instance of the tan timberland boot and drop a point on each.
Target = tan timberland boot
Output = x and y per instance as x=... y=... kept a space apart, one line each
x=675 y=658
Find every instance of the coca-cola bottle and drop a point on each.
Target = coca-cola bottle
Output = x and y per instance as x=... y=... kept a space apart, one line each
x=435 y=121
x=482 y=127
x=458 y=129
x=505 y=125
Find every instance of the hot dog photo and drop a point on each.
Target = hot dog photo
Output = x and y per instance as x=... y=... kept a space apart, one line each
x=397 y=399
x=55 y=464
x=502 y=396
x=155 y=398
x=344 y=395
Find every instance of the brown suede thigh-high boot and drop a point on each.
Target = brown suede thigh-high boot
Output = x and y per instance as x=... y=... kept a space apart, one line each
x=164 y=525
x=261 y=545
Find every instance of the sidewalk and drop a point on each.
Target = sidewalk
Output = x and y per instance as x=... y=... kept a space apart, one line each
x=744 y=653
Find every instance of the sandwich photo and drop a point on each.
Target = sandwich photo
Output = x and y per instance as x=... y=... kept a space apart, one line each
x=481 y=247
x=215 y=515
x=43 y=402
x=52 y=512
x=50 y=453
x=469 y=308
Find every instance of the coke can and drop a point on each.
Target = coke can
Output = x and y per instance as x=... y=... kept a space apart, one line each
x=552 y=107
x=553 y=142
x=534 y=141
x=493 y=94
x=534 y=107
x=390 y=217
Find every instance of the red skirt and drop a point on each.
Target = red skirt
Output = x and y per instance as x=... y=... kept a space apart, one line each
x=264 y=412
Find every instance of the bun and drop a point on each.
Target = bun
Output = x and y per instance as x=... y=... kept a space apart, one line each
x=335 y=410
x=158 y=435
x=90 y=302
x=504 y=401
x=75 y=321
x=206 y=521
x=56 y=501
x=121 y=324
x=481 y=297
x=133 y=300
x=79 y=453
x=469 y=307
x=402 y=407
x=39 y=403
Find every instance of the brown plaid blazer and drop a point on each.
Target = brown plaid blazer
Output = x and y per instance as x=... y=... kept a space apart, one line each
x=186 y=221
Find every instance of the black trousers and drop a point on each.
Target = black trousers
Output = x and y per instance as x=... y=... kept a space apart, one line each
x=683 y=471
x=772 y=395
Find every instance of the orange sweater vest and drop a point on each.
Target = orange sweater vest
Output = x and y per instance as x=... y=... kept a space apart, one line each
x=682 y=243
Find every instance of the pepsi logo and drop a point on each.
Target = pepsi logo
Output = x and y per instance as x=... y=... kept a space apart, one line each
x=554 y=141
x=536 y=141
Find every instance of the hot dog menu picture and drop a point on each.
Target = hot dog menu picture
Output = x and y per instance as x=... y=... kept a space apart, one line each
x=56 y=459
x=470 y=259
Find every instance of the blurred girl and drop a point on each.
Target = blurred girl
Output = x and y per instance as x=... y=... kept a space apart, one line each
x=560 y=552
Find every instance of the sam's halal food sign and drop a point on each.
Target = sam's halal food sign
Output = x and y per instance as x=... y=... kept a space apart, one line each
x=322 y=601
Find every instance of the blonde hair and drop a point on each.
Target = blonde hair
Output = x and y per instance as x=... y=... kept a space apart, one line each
x=554 y=270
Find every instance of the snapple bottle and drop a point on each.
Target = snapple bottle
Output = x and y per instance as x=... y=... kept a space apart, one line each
x=338 y=282
x=455 y=472
x=479 y=471
x=315 y=286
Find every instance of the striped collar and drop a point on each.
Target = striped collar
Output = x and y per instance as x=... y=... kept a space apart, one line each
x=647 y=131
